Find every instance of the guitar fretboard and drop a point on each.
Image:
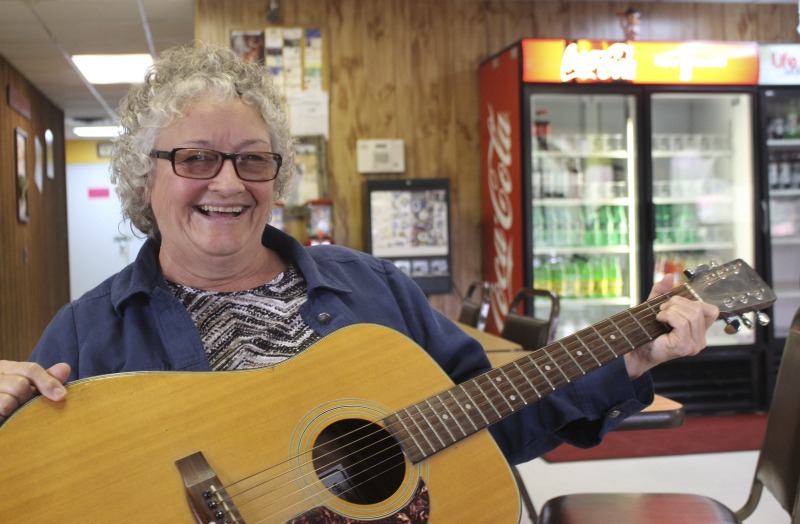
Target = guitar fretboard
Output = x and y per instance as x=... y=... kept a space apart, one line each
x=437 y=422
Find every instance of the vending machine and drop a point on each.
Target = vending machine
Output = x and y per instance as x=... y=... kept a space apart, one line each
x=609 y=164
x=779 y=142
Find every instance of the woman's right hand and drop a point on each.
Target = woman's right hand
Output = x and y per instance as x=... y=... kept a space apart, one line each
x=21 y=381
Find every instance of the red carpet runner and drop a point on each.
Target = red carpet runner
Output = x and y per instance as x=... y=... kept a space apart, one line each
x=697 y=435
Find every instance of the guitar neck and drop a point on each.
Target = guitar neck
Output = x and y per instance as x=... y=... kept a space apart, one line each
x=437 y=422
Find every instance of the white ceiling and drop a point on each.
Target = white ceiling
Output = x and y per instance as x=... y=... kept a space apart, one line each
x=37 y=36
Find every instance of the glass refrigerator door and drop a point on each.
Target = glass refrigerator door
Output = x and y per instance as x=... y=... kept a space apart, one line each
x=583 y=186
x=702 y=176
x=783 y=170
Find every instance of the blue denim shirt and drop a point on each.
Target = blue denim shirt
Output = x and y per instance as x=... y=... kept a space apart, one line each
x=132 y=322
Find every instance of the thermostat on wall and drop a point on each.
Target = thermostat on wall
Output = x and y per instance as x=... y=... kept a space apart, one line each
x=381 y=156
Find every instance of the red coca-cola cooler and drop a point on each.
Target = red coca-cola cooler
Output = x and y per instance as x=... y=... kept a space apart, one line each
x=607 y=164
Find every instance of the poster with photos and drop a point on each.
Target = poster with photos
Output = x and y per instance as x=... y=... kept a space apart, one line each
x=248 y=45
x=20 y=151
x=294 y=55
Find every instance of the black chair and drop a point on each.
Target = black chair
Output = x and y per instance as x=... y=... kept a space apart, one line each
x=531 y=330
x=475 y=310
x=777 y=469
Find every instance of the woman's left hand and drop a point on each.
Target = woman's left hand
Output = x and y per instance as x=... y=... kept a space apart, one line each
x=689 y=319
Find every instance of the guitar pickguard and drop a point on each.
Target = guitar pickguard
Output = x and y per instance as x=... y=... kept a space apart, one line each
x=417 y=511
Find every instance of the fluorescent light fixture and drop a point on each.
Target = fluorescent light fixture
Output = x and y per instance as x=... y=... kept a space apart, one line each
x=97 y=131
x=113 y=69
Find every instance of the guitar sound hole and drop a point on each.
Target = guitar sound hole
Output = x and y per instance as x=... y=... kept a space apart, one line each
x=358 y=461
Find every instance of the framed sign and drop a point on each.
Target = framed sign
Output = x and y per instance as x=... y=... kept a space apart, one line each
x=20 y=152
x=408 y=223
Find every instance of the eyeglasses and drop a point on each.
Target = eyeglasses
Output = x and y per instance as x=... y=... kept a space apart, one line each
x=204 y=164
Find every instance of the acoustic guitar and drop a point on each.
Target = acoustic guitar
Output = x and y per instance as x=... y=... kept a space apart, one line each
x=361 y=427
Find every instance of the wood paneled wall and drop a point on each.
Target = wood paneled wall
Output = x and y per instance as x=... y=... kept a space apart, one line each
x=34 y=262
x=398 y=69
x=408 y=69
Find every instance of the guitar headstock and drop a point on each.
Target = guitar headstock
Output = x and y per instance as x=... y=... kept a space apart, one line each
x=735 y=288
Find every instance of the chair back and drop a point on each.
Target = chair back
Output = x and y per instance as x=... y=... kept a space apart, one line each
x=778 y=465
x=475 y=310
x=531 y=330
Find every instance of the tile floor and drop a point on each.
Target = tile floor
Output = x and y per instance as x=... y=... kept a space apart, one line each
x=723 y=476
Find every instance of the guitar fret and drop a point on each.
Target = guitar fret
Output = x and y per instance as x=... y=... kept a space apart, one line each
x=408 y=431
x=498 y=381
x=557 y=366
x=525 y=376
x=647 y=334
x=449 y=414
x=419 y=432
x=461 y=407
x=605 y=342
x=542 y=373
x=489 y=400
x=622 y=333
x=579 y=339
x=569 y=353
x=514 y=386
x=430 y=426
x=474 y=404
x=442 y=421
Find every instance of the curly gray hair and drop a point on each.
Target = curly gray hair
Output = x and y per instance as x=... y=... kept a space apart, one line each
x=177 y=78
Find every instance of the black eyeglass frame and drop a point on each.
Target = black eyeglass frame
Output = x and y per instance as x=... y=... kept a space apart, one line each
x=170 y=155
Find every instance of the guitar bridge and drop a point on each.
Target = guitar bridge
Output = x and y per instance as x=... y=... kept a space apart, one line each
x=208 y=499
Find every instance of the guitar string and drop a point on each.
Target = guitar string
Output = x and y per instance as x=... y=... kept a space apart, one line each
x=562 y=362
x=494 y=399
x=647 y=338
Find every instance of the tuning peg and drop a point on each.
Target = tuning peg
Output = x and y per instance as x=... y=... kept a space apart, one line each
x=688 y=273
x=747 y=322
x=713 y=264
x=762 y=318
x=732 y=326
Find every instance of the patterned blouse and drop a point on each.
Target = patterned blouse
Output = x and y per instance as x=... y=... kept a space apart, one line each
x=253 y=328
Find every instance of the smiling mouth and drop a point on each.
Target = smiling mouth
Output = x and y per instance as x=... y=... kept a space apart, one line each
x=208 y=211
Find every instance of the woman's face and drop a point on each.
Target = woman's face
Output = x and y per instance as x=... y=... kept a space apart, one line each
x=220 y=217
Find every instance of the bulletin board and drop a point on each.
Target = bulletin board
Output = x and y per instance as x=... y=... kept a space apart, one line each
x=294 y=55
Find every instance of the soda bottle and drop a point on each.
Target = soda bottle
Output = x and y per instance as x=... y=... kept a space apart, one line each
x=546 y=234
x=663 y=224
x=621 y=225
x=556 y=275
x=584 y=277
x=599 y=277
x=588 y=226
x=539 y=227
x=615 y=280
x=685 y=224
x=541 y=274
x=602 y=223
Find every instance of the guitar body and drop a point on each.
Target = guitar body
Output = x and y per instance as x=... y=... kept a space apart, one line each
x=108 y=453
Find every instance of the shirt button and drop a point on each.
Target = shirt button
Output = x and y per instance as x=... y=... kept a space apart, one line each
x=324 y=318
x=614 y=414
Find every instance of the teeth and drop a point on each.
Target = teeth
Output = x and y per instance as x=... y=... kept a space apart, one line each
x=220 y=209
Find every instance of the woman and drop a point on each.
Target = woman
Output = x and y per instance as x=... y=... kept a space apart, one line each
x=204 y=154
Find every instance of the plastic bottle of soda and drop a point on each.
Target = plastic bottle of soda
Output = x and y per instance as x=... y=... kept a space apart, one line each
x=615 y=280
x=621 y=225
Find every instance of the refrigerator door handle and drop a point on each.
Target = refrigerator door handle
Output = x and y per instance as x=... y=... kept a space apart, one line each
x=764 y=217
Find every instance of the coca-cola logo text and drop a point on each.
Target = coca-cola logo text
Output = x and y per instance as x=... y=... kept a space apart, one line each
x=613 y=63
x=499 y=160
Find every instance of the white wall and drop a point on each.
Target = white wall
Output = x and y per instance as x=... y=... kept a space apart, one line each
x=100 y=243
